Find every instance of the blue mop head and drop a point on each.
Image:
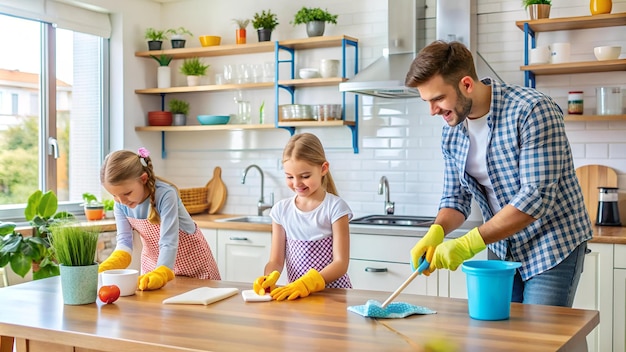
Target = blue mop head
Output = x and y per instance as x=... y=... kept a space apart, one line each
x=373 y=309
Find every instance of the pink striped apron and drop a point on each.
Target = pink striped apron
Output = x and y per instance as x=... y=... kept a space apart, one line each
x=193 y=257
x=301 y=256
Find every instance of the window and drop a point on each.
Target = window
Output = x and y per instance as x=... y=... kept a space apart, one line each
x=53 y=137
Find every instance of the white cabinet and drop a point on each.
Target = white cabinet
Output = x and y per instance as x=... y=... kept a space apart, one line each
x=619 y=299
x=453 y=284
x=381 y=263
x=242 y=255
x=211 y=237
x=595 y=292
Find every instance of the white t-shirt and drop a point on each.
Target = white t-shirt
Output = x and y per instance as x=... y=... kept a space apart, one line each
x=310 y=225
x=476 y=164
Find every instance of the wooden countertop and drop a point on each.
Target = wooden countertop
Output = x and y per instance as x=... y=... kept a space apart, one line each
x=34 y=313
x=601 y=234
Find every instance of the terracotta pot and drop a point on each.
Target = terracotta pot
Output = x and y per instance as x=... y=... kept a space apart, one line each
x=159 y=118
x=94 y=212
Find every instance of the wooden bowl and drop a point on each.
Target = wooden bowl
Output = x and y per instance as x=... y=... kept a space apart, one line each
x=159 y=118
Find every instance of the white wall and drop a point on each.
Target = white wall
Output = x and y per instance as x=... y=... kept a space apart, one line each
x=397 y=138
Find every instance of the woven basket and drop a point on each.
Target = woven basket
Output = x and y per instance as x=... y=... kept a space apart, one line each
x=195 y=200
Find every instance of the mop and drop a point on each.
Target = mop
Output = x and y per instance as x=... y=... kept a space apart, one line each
x=374 y=309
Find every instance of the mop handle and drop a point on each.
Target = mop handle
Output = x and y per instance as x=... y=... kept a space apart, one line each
x=400 y=289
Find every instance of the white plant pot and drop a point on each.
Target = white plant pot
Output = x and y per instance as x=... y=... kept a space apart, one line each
x=164 y=77
x=193 y=81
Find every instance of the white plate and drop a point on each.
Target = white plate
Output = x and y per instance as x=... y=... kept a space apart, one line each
x=251 y=296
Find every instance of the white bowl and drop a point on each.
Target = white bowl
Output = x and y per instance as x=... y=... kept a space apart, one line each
x=306 y=73
x=125 y=279
x=607 y=52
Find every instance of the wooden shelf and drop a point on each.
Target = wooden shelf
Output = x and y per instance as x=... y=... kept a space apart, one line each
x=576 y=67
x=198 y=128
x=218 y=50
x=592 y=118
x=570 y=23
x=208 y=88
x=315 y=42
x=312 y=82
x=329 y=123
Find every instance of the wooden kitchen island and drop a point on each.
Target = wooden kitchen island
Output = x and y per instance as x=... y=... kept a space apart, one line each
x=35 y=315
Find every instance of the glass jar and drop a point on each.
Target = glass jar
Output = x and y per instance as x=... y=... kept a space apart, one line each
x=598 y=7
x=575 y=103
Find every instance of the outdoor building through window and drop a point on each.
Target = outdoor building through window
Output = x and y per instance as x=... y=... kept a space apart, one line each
x=52 y=119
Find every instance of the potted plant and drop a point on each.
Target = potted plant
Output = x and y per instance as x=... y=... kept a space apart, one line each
x=164 y=74
x=264 y=23
x=315 y=19
x=177 y=38
x=155 y=38
x=33 y=252
x=193 y=68
x=537 y=9
x=94 y=209
x=109 y=205
x=75 y=247
x=240 y=31
x=179 y=110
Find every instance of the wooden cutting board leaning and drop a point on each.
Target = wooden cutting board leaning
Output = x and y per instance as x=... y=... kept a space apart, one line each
x=591 y=177
x=216 y=191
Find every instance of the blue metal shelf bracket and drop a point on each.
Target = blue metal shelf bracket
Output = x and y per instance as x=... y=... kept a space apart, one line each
x=163 y=150
x=529 y=76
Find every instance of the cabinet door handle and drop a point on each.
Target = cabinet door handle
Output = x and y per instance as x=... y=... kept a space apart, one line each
x=375 y=270
x=238 y=238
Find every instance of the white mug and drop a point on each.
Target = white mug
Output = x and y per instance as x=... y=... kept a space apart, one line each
x=539 y=55
x=560 y=53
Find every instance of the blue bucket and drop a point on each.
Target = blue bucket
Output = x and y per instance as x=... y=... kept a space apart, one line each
x=489 y=288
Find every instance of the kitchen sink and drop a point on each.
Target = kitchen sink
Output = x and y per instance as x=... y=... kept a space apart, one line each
x=395 y=220
x=251 y=219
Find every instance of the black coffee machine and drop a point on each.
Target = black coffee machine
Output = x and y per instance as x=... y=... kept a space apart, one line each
x=608 y=211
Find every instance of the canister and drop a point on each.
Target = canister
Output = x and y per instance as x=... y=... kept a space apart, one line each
x=575 y=103
x=608 y=211
x=609 y=100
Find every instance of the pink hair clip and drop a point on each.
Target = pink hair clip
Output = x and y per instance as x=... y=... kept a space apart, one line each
x=143 y=152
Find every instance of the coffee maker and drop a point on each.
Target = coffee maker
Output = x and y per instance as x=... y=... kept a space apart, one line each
x=608 y=211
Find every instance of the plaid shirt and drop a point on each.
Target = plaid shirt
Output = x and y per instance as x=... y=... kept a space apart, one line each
x=530 y=166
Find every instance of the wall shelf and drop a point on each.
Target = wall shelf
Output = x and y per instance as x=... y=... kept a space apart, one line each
x=206 y=88
x=217 y=50
x=592 y=118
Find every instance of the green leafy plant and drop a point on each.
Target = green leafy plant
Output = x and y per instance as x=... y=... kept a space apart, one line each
x=178 y=106
x=109 y=204
x=163 y=60
x=241 y=24
x=265 y=20
x=26 y=252
x=90 y=199
x=193 y=67
x=527 y=3
x=155 y=34
x=74 y=245
x=179 y=32
x=307 y=14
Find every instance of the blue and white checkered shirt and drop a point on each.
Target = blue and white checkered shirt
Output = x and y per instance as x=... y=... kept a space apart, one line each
x=530 y=166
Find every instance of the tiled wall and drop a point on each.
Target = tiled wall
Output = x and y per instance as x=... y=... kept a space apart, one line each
x=397 y=138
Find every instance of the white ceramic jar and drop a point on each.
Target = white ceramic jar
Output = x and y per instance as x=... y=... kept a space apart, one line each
x=329 y=68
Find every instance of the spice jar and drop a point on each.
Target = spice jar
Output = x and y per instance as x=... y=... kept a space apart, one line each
x=575 y=103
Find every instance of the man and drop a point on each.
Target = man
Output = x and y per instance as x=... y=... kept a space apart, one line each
x=505 y=146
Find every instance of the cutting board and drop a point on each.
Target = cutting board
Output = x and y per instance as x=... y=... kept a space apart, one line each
x=591 y=177
x=217 y=191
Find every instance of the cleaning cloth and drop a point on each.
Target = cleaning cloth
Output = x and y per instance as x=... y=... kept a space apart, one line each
x=374 y=309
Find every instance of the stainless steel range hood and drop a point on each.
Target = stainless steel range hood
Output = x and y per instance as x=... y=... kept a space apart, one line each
x=456 y=20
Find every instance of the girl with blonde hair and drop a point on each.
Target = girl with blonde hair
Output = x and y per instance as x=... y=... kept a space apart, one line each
x=172 y=242
x=310 y=232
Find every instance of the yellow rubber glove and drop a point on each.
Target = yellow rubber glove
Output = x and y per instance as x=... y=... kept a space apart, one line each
x=432 y=239
x=119 y=259
x=155 y=279
x=265 y=284
x=451 y=254
x=308 y=283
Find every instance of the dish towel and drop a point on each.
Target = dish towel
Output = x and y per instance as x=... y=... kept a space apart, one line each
x=201 y=295
x=373 y=309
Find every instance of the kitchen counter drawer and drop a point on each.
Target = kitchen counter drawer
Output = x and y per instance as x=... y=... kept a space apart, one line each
x=381 y=248
x=386 y=276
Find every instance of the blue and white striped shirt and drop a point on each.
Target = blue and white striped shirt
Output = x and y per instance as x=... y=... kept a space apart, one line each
x=529 y=162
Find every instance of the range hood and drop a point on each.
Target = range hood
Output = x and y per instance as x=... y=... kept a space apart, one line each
x=455 y=20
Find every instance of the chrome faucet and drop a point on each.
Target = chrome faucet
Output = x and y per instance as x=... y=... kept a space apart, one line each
x=383 y=186
x=261 y=206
